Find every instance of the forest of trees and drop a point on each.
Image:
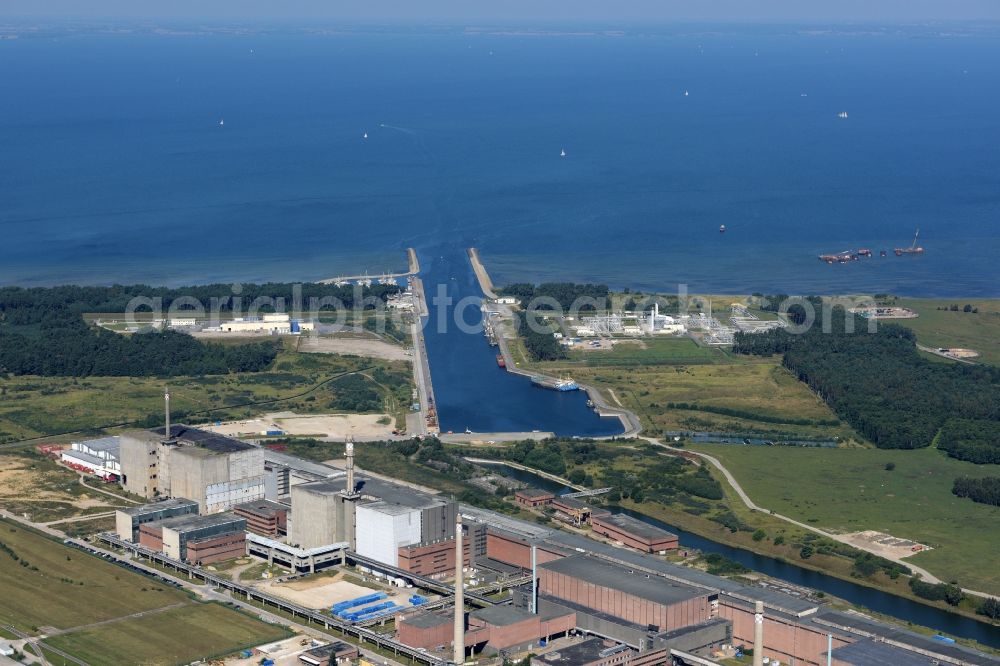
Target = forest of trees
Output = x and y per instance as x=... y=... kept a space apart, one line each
x=975 y=441
x=565 y=293
x=541 y=346
x=985 y=490
x=878 y=383
x=35 y=303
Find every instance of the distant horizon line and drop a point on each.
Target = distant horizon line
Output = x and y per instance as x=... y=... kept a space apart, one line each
x=593 y=24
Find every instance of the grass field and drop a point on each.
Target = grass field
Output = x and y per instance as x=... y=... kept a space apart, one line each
x=63 y=587
x=677 y=370
x=849 y=490
x=944 y=328
x=175 y=636
x=66 y=588
x=37 y=406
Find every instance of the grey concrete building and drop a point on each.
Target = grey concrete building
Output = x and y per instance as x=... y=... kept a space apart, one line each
x=128 y=521
x=216 y=472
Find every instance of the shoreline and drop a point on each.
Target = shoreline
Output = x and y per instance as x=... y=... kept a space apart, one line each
x=631 y=425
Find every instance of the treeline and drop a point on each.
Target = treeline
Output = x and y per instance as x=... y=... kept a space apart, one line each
x=752 y=416
x=43 y=333
x=948 y=592
x=566 y=294
x=33 y=305
x=985 y=490
x=74 y=349
x=975 y=441
x=541 y=346
x=878 y=383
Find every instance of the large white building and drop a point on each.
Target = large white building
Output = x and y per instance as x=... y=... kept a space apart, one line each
x=382 y=528
x=97 y=456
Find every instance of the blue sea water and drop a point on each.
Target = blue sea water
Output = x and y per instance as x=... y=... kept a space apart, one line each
x=115 y=167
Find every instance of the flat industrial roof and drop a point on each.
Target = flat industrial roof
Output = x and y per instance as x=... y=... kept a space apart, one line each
x=571 y=502
x=500 y=615
x=85 y=457
x=534 y=492
x=870 y=653
x=428 y=620
x=108 y=444
x=156 y=507
x=584 y=652
x=205 y=440
x=262 y=507
x=616 y=577
x=636 y=527
x=191 y=523
x=872 y=627
x=389 y=493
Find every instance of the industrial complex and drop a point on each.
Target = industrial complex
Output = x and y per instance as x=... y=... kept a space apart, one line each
x=449 y=582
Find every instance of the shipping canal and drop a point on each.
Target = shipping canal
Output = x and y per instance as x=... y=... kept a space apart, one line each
x=876 y=600
x=472 y=392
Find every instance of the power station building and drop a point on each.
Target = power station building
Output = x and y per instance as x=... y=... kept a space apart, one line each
x=215 y=471
x=376 y=519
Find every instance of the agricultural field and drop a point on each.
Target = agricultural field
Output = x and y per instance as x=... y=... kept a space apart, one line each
x=207 y=630
x=850 y=490
x=52 y=585
x=945 y=328
x=41 y=406
x=62 y=591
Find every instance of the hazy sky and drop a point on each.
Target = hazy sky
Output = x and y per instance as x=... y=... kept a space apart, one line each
x=516 y=10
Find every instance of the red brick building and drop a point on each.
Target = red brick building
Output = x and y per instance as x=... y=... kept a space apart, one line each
x=433 y=559
x=216 y=548
x=786 y=638
x=532 y=497
x=632 y=532
x=514 y=550
x=573 y=510
x=264 y=517
x=596 y=585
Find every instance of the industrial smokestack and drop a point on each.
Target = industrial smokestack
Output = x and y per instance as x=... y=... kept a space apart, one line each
x=166 y=408
x=350 y=466
x=534 y=579
x=758 y=634
x=459 y=654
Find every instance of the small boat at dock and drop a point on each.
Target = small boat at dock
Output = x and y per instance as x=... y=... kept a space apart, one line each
x=555 y=384
x=501 y=361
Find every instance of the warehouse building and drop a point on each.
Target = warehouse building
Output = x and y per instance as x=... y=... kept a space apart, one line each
x=128 y=521
x=215 y=471
x=264 y=517
x=571 y=509
x=95 y=456
x=532 y=497
x=197 y=539
x=600 y=591
x=633 y=532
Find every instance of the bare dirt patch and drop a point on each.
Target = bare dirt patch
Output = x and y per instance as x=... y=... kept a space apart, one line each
x=323 y=426
x=885 y=544
x=355 y=346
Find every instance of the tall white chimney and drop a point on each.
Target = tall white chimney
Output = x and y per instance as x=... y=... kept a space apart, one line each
x=459 y=654
x=350 y=488
x=166 y=409
x=758 y=634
